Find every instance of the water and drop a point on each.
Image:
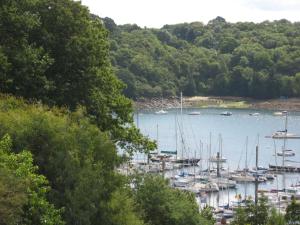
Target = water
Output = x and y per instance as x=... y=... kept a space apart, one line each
x=195 y=129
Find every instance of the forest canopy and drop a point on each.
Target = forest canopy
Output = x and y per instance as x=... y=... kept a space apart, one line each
x=56 y=52
x=259 y=60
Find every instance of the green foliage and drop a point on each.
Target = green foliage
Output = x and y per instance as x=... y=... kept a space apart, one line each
x=276 y=218
x=56 y=52
x=207 y=214
x=74 y=155
x=163 y=205
x=22 y=190
x=243 y=59
x=123 y=209
x=292 y=215
x=259 y=214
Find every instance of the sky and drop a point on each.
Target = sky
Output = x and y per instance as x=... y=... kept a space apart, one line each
x=156 y=13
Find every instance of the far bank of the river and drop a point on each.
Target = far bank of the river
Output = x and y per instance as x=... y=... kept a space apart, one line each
x=291 y=104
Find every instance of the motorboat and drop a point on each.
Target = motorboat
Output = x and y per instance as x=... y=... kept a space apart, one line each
x=224 y=183
x=286 y=153
x=270 y=176
x=226 y=113
x=204 y=187
x=284 y=134
x=278 y=114
x=254 y=114
x=182 y=182
x=194 y=113
x=243 y=178
x=282 y=113
x=161 y=112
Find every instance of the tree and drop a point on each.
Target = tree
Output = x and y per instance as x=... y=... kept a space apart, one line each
x=22 y=191
x=56 y=52
x=276 y=218
x=292 y=215
x=220 y=58
x=252 y=214
x=78 y=160
x=163 y=205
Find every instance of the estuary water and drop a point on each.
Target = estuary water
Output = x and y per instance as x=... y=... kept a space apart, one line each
x=193 y=134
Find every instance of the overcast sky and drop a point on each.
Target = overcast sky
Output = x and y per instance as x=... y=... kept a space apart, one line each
x=156 y=13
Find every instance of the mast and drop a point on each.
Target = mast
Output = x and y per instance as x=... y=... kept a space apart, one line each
x=218 y=164
x=284 y=140
x=181 y=124
x=181 y=103
x=157 y=138
x=256 y=175
x=201 y=155
x=246 y=158
x=228 y=187
x=221 y=146
x=176 y=135
x=209 y=153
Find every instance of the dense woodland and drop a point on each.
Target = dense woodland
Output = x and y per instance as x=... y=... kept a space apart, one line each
x=221 y=58
x=63 y=118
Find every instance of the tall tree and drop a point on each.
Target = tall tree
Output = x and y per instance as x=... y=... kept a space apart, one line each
x=56 y=52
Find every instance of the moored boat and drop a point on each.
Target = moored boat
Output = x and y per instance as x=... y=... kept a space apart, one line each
x=286 y=153
x=226 y=113
x=194 y=113
x=243 y=178
x=161 y=112
x=254 y=114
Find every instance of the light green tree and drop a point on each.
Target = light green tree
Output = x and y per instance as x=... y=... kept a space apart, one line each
x=22 y=191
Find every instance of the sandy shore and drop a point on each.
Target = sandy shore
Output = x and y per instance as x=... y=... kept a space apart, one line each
x=291 y=104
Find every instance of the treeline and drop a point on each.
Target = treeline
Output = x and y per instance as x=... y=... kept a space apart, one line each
x=240 y=59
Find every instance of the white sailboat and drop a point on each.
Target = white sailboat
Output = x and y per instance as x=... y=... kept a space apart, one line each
x=161 y=111
x=244 y=176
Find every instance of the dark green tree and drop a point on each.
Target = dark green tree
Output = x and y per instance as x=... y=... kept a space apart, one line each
x=292 y=215
x=75 y=156
x=56 y=52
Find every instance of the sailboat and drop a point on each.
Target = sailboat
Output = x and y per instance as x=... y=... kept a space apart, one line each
x=285 y=152
x=161 y=111
x=283 y=134
x=182 y=159
x=218 y=158
x=244 y=176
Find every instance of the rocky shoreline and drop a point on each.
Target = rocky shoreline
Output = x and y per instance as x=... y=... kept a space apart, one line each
x=291 y=104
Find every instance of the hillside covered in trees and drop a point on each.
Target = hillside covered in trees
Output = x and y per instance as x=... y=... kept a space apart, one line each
x=221 y=58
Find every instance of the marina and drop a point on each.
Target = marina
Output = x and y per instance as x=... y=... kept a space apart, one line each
x=208 y=154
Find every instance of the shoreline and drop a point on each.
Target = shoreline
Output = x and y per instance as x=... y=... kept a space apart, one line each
x=225 y=102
